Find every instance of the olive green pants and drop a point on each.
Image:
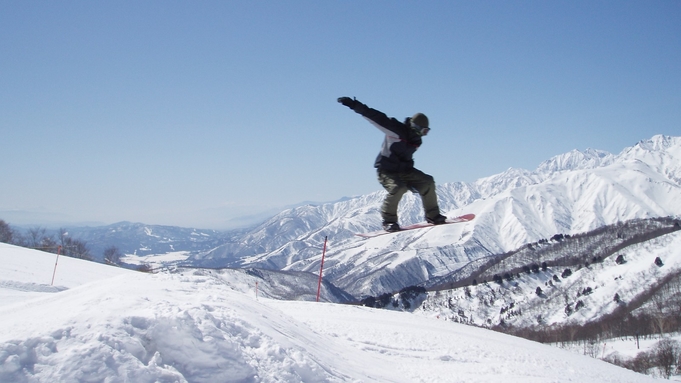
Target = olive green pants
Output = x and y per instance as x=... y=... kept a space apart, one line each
x=396 y=184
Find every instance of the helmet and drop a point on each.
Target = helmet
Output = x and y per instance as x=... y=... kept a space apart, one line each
x=419 y=122
x=420 y=119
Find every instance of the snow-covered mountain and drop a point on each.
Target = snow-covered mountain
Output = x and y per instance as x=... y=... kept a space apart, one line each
x=101 y=323
x=571 y=193
x=567 y=291
x=600 y=276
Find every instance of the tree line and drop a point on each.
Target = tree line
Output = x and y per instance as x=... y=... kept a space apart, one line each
x=562 y=250
x=37 y=238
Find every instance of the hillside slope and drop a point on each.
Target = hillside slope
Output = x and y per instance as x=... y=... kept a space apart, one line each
x=115 y=325
x=557 y=284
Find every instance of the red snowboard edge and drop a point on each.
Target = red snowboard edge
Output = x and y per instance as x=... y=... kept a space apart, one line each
x=462 y=218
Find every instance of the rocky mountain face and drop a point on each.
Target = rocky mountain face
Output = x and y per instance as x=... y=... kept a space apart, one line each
x=564 y=280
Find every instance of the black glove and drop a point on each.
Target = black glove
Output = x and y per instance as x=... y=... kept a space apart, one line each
x=347 y=101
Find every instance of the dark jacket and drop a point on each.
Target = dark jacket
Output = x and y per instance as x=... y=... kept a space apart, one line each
x=400 y=143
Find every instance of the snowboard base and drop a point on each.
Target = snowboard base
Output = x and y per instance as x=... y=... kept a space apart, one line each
x=421 y=225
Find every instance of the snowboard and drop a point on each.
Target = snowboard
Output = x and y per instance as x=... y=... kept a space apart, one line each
x=421 y=225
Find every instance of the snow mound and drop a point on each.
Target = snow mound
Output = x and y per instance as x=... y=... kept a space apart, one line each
x=113 y=325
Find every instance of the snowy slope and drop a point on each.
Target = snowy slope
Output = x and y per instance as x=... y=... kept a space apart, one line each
x=571 y=193
x=274 y=284
x=114 y=325
x=583 y=296
x=24 y=278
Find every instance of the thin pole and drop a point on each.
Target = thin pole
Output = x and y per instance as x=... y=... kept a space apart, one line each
x=55 y=265
x=321 y=269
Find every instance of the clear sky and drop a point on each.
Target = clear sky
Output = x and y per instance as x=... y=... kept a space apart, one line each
x=191 y=112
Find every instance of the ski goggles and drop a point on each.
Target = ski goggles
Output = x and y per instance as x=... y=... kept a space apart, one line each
x=420 y=130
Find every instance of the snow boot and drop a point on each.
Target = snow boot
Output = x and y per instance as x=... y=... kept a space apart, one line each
x=437 y=220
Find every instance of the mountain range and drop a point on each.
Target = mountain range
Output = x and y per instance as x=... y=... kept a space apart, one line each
x=571 y=193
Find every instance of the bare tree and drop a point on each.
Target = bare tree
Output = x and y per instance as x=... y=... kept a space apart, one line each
x=35 y=237
x=73 y=247
x=112 y=255
x=666 y=356
x=641 y=363
x=659 y=304
x=76 y=249
x=6 y=232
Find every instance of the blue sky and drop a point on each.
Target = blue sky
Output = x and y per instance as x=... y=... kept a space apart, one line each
x=191 y=112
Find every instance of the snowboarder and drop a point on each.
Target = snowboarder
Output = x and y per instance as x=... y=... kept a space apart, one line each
x=395 y=165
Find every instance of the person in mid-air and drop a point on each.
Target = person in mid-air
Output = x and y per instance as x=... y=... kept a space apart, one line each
x=395 y=163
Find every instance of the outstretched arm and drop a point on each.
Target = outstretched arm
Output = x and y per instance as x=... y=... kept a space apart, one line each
x=378 y=118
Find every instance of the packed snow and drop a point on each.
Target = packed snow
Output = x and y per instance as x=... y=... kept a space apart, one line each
x=98 y=323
